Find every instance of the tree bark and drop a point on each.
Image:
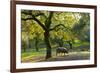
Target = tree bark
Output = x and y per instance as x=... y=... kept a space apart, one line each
x=70 y=44
x=36 y=44
x=47 y=42
x=60 y=42
x=23 y=45
x=27 y=42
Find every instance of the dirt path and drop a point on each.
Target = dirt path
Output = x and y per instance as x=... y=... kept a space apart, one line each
x=70 y=56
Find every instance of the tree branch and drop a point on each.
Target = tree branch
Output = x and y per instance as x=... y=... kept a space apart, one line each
x=40 y=14
x=57 y=27
x=48 y=20
x=27 y=13
x=26 y=19
x=34 y=18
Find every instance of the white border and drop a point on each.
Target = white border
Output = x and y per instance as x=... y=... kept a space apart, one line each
x=51 y=64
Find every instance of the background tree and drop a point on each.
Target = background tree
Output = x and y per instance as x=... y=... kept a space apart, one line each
x=82 y=28
x=64 y=33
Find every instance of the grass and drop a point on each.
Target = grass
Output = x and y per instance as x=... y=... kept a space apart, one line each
x=33 y=56
x=32 y=53
x=78 y=44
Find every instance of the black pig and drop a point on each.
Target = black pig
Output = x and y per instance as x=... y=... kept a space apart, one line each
x=61 y=50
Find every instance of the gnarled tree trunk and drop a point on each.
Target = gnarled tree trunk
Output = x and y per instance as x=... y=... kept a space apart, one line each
x=47 y=42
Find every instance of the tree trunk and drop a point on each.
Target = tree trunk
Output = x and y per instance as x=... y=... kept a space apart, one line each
x=70 y=44
x=60 y=42
x=36 y=44
x=48 y=46
x=27 y=43
x=24 y=47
